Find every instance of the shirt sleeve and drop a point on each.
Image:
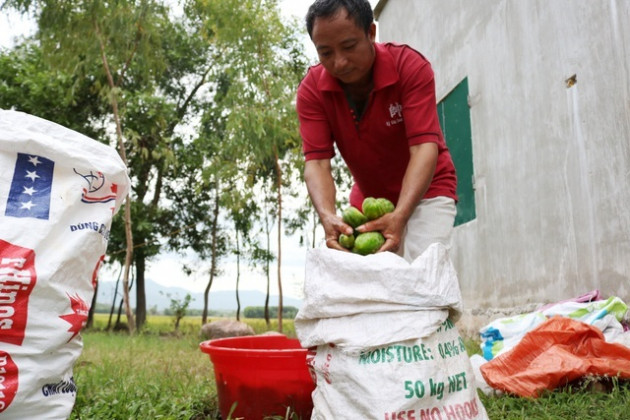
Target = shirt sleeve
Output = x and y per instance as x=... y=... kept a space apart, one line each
x=418 y=99
x=317 y=141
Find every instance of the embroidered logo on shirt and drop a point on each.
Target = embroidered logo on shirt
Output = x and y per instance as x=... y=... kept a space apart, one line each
x=395 y=114
x=395 y=109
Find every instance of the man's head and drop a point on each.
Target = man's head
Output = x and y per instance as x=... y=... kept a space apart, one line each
x=358 y=10
x=343 y=32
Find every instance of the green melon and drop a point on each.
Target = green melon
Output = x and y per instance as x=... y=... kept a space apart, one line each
x=370 y=208
x=353 y=217
x=373 y=208
x=368 y=243
x=346 y=241
x=385 y=205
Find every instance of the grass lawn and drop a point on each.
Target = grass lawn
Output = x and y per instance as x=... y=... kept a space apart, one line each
x=159 y=375
x=147 y=376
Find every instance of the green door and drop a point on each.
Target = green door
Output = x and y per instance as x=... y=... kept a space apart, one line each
x=454 y=115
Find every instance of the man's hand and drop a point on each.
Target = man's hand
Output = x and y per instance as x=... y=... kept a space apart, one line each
x=321 y=189
x=391 y=225
x=333 y=227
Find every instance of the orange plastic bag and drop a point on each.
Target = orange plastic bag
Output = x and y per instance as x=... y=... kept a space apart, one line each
x=553 y=354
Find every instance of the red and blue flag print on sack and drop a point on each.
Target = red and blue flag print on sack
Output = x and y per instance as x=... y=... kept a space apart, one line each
x=31 y=186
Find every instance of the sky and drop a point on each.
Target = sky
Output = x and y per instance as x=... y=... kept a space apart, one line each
x=167 y=270
x=12 y=25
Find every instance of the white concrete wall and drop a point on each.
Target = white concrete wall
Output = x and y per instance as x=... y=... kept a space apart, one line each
x=551 y=162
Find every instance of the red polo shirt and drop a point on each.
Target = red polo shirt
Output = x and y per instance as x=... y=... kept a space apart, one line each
x=400 y=112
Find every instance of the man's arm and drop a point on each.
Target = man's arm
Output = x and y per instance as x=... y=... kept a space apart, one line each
x=418 y=176
x=321 y=189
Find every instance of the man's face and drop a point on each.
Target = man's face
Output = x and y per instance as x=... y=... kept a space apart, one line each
x=344 y=49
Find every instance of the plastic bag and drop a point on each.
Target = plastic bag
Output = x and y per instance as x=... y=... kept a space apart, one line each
x=58 y=193
x=558 y=351
x=501 y=335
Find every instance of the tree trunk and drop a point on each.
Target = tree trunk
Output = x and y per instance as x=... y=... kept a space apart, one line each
x=268 y=235
x=111 y=311
x=123 y=156
x=90 y=320
x=238 y=275
x=213 y=259
x=128 y=260
x=279 y=191
x=206 y=293
x=141 y=299
x=118 y=315
x=120 y=308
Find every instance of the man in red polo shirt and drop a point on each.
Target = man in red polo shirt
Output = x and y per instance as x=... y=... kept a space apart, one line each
x=376 y=103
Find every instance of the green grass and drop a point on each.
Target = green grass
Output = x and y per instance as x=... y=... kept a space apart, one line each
x=155 y=374
x=586 y=400
x=159 y=375
x=147 y=376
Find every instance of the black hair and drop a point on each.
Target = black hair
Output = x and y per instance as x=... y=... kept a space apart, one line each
x=358 y=10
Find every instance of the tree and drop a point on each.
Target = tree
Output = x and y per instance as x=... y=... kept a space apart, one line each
x=193 y=221
x=232 y=65
x=151 y=72
x=242 y=211
x=201 y=197
x=264 y=255
x=265 y=64
x=121 y=35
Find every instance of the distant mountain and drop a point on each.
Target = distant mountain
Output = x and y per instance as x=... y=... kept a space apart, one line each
x=156 y=295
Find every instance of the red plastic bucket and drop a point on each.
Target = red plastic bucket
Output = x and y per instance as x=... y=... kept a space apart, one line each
x=264 y=375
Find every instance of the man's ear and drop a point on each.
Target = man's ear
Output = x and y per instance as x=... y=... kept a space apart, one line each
x=372 y=32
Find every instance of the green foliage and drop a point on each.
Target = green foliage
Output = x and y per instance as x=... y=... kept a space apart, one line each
x=127 y=32
x=263 y=65
x=206 y=105
x=31 y=85
x=254 y=312
x=122 y=50
x=254 y=119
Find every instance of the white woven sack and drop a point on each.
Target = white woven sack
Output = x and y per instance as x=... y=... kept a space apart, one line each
x=427 y=378
x=58 y=193
x=345 y=293
x=384 y=345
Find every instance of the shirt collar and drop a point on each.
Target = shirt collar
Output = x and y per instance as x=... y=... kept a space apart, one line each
x=385 y=73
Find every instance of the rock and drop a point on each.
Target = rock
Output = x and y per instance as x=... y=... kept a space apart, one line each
x=225 y=328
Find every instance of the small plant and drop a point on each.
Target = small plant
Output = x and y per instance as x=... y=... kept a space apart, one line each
x=290 y=415
x=178 y=307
